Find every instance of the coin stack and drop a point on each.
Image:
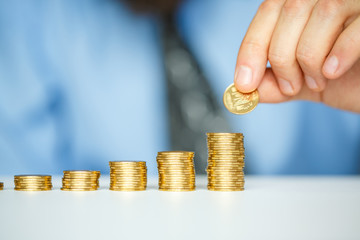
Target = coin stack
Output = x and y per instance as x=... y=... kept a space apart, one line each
x=176 y=171
x=32 y=182
x=225 y=161
x=1 y=186
x=82 y=180
x=128 y=175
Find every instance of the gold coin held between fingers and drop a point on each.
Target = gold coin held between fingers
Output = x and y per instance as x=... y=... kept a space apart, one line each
x=240 y=103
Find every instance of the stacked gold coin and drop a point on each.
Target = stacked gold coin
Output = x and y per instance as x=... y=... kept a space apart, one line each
x=1 y=186
x=82 y=180
x=225 y=161
x=32 y=182
x=176 y=171
x=128 y=176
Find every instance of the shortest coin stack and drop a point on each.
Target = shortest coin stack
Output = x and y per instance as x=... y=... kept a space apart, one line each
x=32 y=182
x=1 y=186
x=82 y=180
x=176 y=171
x=128 y=175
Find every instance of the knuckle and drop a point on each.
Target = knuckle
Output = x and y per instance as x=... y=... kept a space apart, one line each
x=252 y=46
x=294 y=7
x=306 y=56
x=326 y=8
x=270 y=5
x=352 y=40
x=279 y=60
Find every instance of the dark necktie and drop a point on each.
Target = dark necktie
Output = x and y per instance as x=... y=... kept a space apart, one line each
x=192 y=107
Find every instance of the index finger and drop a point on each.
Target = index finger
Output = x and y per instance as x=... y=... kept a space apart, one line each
x=253 y=53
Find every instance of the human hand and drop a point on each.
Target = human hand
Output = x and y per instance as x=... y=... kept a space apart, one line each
x=313 y=47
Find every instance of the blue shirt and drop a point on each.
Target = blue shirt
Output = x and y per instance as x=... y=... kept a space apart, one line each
x=82 y=83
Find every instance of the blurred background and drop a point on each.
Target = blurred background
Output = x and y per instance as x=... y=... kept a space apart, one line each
x=90 y=81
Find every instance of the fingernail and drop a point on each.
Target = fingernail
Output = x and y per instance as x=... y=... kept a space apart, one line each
x=311 y=83
x=331 y=65
x=243 y=76
x=286 y=87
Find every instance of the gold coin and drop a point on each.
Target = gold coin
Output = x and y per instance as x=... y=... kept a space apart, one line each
x=80 y=180
x=78 y=189
x=81 y=173
x=223 y=134
x=240 y=103
x=226 y=155
x=127 y=164
x=124 y=189
x=32 y=177
x=177 y=189
x=176 y=171
x=128 y=175
x=225 y=189
x=32 y=182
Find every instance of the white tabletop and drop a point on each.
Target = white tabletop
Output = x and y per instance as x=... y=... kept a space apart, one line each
x=270 y=208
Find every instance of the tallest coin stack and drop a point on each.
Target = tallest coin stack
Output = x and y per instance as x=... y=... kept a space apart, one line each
x=225 y=161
